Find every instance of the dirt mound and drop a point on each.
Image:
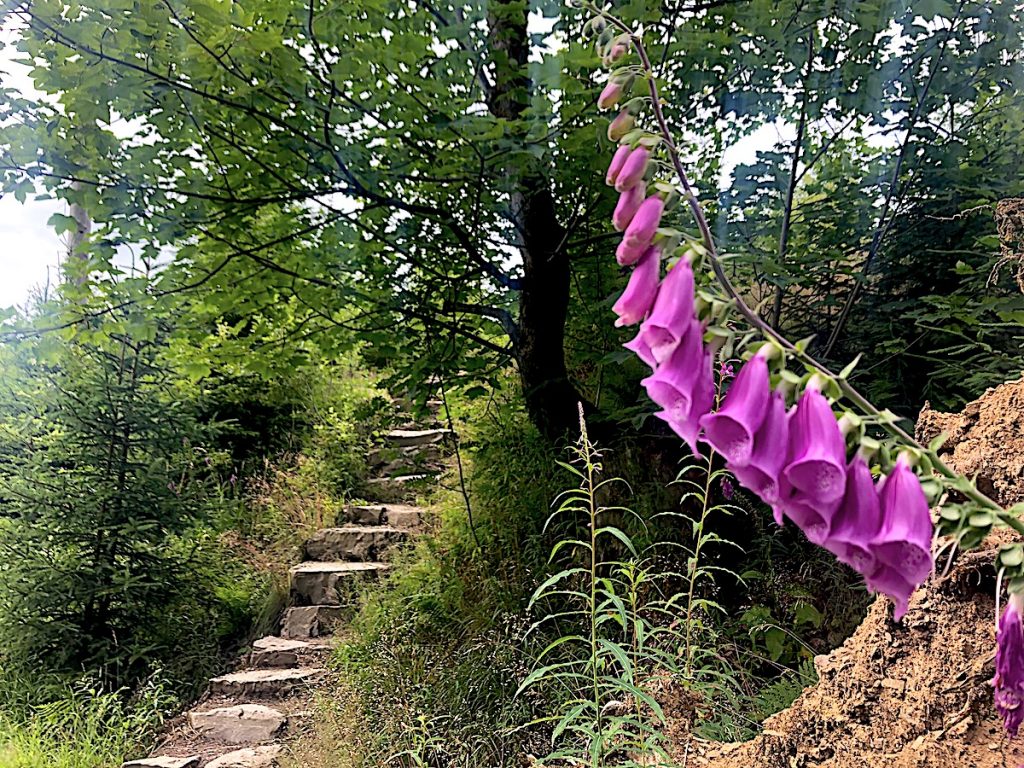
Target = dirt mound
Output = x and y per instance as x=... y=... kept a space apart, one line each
x=913 y=694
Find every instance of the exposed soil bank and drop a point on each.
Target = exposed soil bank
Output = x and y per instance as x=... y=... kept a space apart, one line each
x=917 y=693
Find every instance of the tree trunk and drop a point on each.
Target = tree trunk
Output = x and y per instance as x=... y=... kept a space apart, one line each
x=544 y=297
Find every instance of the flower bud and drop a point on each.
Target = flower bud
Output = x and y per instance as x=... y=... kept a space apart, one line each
x=635 y=302
x=1009 y=679
x=618 y=160
x=610 y=95
x=642 y=228
x=620 y=126
x=629 y=203
x=633 y=169
x=617 y=52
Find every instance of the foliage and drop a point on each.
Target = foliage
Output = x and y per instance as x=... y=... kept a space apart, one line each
x=605 y=662
x=319 y=184
x=81 y=725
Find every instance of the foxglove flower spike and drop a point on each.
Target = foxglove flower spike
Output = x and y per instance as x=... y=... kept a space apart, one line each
x=635 y=302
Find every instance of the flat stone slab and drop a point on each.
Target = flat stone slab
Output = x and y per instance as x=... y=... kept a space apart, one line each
x=404 y=517
x=251 y=757
x=329 y=583
x=281 y=652
x=264 y=682
x=241 y=724
x=164 y=761
x=361 y=543
x=404 y=438
x=310 y=621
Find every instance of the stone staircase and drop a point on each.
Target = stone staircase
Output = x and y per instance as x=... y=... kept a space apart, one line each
x=246 y=717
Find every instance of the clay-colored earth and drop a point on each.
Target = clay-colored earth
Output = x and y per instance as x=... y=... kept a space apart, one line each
x=913 y=694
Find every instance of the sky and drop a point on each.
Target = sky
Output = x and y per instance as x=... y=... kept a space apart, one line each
x=28 y=247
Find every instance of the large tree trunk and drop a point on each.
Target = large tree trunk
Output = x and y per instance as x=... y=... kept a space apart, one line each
x=544 y=298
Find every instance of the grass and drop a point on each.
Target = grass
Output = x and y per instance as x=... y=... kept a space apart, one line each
x=80 y=726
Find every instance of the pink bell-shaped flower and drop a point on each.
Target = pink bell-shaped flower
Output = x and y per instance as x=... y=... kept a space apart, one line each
x=636 y=301
x=902 y=547
x=673 y=383
x=760 y=474
x=618 y=160
x=672 y=313
x=1009 y=679
x=629 y=203
x=702 y=398
x=814 y=478
x=633 y=170
x=731 y=430
x=638 y=346
x=642 y=228
x=857 y=520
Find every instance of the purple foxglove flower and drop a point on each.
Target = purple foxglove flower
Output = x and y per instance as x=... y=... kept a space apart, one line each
x=857 y=521
x=814 y=478
x=635 y=302
x=672 y=313
x=620 y=126
x=760 y=474
x=645 y=223
x=674 y=381
x=1009 y=679
x=638 y=346
x=626 y=254
x=618 y=160
x=902 y=547
x=731 y=430
x=633 y=170
x=702 y=398
x=629 y=203
x=610 y=95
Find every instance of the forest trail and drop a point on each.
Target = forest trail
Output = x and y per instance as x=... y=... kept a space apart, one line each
x=915 y=694
x=246 y=717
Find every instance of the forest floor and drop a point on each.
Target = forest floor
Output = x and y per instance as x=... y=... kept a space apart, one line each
x=915 y=694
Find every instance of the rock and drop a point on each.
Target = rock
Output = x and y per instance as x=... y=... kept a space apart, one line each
x=404 y=438
x=400 y=516
x=310 y=621
x=264 y=682
x=164 y=762
x=353 y=542
x=241 y=724
x=251 y=757
x=397 y=489
x=329 y=583
x=280 y=652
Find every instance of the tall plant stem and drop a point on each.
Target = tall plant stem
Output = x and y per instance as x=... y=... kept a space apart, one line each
x=693 y=567
x=848 y=390
x=587 y=450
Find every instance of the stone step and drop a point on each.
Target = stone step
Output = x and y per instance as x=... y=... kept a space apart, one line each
x=329 y=583
x=164 y=761
x=250 y=757
x=240 y=724
x=401 y=516
x=405 y=438
x=311 y=621
x=397 y=489
x=265 y=683
x=353 y=542
x=282 y=652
